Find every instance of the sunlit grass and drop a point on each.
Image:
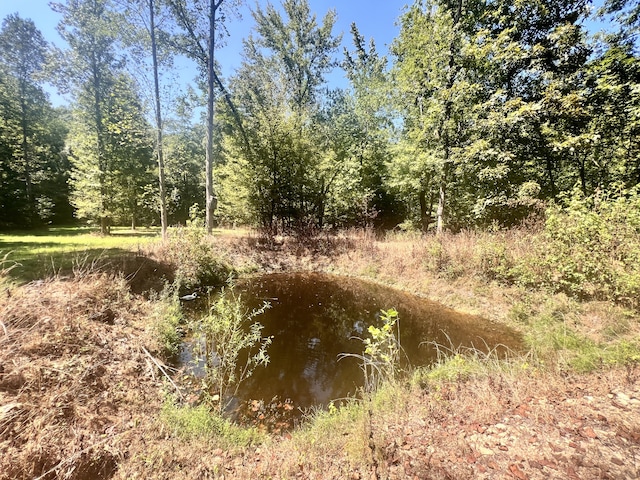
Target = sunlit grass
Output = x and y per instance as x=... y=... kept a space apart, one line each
x=38 y=254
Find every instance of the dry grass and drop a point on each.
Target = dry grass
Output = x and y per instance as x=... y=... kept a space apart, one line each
x=80 y=399
x=71 y=376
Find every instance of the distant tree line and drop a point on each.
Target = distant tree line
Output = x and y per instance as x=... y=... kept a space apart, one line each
x=482 y=113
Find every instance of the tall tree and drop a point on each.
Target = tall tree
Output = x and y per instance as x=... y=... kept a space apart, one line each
x=431 y=71
x=279 y=90
x=90 y=67
x=141 y=33
x=200 y=34
x=22 y=52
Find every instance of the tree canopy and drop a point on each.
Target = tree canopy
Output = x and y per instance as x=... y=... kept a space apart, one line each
x=481 y=113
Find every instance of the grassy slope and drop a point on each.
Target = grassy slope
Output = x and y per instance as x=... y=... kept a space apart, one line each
x=43 y=253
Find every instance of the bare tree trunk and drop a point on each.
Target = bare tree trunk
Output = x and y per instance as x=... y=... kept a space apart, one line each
x=211 y=200
x=25 y=148
x=102 y=163
x=159 y=147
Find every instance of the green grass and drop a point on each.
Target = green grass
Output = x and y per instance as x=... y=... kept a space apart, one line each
x=43 y=253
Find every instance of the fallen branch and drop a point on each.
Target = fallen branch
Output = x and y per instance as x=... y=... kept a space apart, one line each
x=163 y=371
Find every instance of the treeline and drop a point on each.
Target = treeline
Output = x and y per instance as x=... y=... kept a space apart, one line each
x=482 y=113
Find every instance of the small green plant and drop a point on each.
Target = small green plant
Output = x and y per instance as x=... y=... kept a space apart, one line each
x=379 y=365
x=167 y=316
x=382 y=349
x=231 y=347
x=199 y=421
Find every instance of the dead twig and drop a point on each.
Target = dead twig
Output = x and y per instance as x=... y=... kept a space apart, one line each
x=163 y=371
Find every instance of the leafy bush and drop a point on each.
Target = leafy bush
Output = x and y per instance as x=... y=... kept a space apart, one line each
x=590 y=249
x=196 y=261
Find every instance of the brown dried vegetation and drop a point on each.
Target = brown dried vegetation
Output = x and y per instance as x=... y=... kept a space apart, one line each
x=80 y=398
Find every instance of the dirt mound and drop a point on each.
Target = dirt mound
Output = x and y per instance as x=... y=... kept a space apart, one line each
x=72 y=377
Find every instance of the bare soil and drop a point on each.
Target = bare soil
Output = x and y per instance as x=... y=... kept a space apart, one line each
x=80 y=396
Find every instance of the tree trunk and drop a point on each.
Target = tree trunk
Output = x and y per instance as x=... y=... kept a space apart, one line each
x=25 y=148
x=159 y=147
x=211 y=200
x=102 y=166
x=441 y=202
x=425 y=210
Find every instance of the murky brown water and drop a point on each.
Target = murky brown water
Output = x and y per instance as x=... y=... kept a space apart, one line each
x=315 y=317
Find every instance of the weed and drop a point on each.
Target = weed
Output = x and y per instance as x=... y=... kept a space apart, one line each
x=232 y=347
x=167 y=317
x=193 y=422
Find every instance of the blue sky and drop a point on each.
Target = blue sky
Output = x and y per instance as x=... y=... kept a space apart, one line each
x=375 y=18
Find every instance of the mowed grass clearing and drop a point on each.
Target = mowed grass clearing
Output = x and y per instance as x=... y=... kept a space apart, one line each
x=38 y=254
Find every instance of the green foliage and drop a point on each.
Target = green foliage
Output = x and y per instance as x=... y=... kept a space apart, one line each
x=167 y=317
x=231 y=347
x=196 y=260
x=190 y=422
x=381 y=352
x=449 y=369
x=33 y=165
x=590 y=249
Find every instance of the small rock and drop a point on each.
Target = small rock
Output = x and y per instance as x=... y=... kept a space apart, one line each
x=617 y=461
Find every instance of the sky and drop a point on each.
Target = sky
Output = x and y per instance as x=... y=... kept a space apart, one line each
x=374 y=19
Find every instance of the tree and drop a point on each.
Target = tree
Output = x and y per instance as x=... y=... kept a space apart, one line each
x=369 y=101
x=22 y=52
x=430 y=70
x=90 y=69
x=278 y=89
x=108 y=141
x=33 y=167
x=117 y=188
x=198 y=41
x=141 y=36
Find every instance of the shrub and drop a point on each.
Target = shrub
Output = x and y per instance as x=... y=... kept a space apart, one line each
x=590 y=249
x=167 y=316
x=231 y=347
x=196 y=261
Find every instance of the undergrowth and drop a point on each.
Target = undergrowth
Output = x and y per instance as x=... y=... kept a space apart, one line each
x=166 y=321
x=195 y=258
x=201 y=422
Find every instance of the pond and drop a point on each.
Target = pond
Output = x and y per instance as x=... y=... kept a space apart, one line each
x=314 y=318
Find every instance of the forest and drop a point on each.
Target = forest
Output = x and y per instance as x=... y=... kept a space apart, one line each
x=481 y=114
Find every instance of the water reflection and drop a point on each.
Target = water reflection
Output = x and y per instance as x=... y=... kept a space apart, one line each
x=316 y=317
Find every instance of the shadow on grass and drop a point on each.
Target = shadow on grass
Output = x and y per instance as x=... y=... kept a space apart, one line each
x=35 y=266
x=61 y=251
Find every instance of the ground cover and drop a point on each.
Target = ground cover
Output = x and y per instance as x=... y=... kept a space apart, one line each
x=44 y=253
x=82 y=394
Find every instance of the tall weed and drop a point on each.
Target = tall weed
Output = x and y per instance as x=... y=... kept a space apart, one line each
x=231 y=347
x=167 y=317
